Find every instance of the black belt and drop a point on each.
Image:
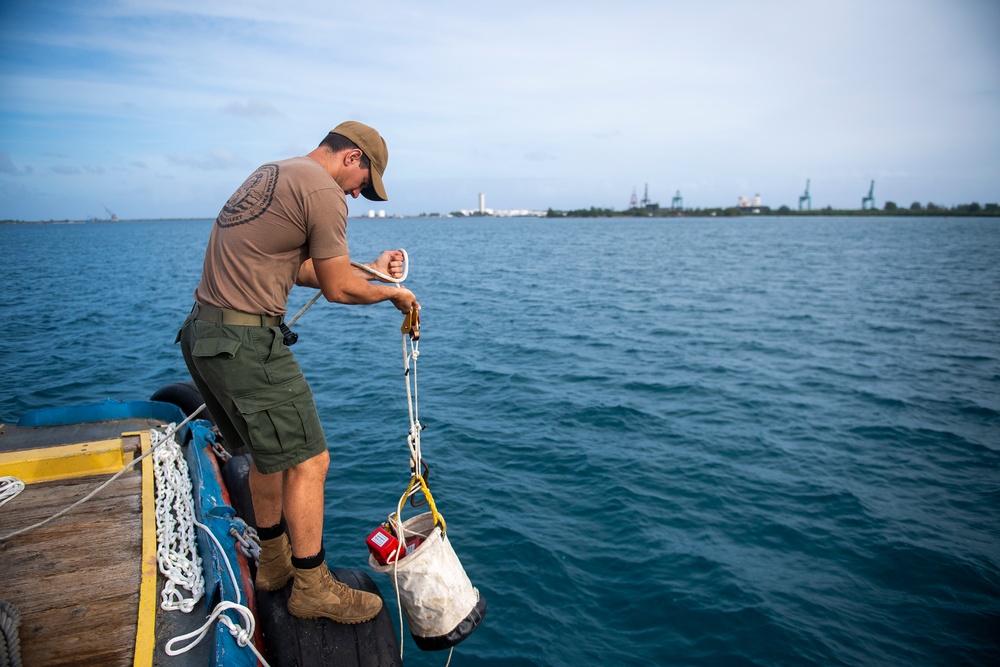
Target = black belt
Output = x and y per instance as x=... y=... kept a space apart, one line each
x=233 y=317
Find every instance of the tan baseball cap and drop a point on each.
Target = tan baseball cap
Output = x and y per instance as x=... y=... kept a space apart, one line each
x=373 y=145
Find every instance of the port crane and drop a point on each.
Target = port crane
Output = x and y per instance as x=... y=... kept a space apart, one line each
x=868 y=201
x=806 y=198
x=677 y=203
x=644 y=202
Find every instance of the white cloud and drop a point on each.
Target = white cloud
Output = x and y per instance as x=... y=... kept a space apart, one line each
x=211 y=161
x=252 y=109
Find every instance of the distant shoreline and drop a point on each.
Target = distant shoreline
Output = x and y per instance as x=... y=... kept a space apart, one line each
x=891 y=211
x=98 y=222
x=964 y=211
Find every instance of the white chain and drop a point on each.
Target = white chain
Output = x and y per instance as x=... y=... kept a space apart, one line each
x=176 y=544
x=177 y=551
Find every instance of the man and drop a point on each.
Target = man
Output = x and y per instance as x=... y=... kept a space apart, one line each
x=286 y=225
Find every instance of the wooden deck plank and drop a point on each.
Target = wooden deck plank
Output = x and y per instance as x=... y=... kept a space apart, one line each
x=76 y=579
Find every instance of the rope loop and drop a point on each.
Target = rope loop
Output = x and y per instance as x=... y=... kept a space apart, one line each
x=243 y=633
x=10 y=487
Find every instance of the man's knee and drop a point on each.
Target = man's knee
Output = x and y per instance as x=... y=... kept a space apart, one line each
x=316 y=466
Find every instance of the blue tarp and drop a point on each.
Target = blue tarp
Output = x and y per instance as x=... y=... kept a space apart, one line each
x=109 y=410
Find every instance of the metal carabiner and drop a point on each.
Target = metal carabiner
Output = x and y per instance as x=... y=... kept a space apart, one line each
x=425 y=474
x=411 y=324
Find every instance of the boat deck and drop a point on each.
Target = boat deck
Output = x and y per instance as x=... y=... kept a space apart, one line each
x=77 y=580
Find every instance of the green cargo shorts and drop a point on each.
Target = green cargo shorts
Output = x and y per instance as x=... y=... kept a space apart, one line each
x=255 y=391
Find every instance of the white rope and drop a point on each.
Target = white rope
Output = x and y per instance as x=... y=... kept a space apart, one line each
x=384 y=277
x=177 y=551
x=364 y=267
x=10 y=640
x=131 y=464
x=243 y=632
x=159 y=440
x=9 y=488
x=229 y=568
x=410 y=354
x=176 y=543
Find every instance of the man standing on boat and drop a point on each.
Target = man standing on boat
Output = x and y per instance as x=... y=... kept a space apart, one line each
x=286 y=225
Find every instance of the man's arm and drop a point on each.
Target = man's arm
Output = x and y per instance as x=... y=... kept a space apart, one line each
x=343 y=283
x=389 y=263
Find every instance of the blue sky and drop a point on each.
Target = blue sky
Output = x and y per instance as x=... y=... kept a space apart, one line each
x=160 y=108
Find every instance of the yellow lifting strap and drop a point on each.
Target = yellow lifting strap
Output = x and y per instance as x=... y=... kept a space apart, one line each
x=438 y=519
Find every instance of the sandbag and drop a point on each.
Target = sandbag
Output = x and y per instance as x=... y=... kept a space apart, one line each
x=440 y=604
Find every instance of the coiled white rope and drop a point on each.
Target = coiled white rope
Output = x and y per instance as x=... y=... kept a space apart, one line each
x=10 y=640
x=9 y=488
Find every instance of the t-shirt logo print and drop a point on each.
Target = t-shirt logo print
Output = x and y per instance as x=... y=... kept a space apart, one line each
x=252 y=199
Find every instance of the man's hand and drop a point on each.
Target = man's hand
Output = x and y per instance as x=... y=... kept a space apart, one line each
x=404 y=300
x=390 y=263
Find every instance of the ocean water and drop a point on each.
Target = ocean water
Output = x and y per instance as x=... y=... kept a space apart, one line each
x=706 y=442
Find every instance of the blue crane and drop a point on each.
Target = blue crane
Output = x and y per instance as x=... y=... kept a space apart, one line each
x=868 y=201
x=806 y=198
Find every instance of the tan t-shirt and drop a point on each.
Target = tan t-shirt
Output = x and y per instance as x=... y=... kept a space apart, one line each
x=285 y=213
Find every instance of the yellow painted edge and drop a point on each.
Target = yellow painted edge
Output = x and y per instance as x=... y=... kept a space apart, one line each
x=45 y=464
x=145 y=634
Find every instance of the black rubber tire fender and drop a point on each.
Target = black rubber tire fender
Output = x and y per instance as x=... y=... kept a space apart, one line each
x=184 y=395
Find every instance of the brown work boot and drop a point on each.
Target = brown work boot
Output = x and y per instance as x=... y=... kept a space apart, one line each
x=275 y=566
x=317 y=594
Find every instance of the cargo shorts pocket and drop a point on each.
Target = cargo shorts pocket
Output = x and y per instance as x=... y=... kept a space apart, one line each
x=213 y=347
x=282 y=425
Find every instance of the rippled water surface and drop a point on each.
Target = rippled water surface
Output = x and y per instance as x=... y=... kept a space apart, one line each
x=686 y=442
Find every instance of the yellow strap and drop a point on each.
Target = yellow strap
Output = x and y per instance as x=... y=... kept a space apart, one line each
x=145 y=634
x=438 y=519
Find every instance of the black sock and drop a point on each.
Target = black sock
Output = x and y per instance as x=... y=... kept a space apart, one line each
x=271 y=532
x=309 y=563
